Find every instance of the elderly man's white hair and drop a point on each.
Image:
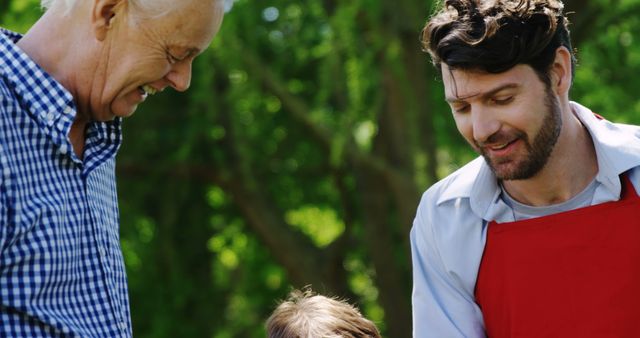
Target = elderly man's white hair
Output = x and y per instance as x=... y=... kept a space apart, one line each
x=150 y=8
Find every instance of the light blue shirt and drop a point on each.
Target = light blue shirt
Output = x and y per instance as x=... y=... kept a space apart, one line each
x=449 y=231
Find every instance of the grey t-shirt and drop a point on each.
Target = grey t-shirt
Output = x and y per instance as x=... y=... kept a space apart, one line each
x=523 y=211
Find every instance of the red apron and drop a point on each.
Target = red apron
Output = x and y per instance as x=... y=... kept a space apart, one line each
x=572 y=274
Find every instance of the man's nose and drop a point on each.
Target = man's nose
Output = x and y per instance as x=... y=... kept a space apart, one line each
x=485 y=124
x=180 y=76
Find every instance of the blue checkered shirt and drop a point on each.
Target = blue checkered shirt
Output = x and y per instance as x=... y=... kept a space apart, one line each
x=61 y=267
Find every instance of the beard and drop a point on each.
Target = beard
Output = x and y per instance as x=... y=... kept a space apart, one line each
x=538 y=151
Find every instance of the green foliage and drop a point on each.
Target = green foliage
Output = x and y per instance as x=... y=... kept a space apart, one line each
x=18 y=16
x=608 y=68
x=298 y=157
x=322 y=225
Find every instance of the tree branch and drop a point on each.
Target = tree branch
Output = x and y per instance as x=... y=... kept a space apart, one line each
x=304 y=262
x=299 y=111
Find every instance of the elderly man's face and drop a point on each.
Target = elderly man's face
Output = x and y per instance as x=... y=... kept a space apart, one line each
x=141 y=56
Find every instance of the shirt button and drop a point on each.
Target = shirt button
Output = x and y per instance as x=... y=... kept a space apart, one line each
x=63 y=149
x=49 y=118
x=68 y=110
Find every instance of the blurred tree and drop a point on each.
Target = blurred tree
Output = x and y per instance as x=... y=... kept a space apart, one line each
x=299 y=155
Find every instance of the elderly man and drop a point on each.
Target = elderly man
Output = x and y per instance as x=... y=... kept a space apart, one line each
x=540 y=236
x=64 y=87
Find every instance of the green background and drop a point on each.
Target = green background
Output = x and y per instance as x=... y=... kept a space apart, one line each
x=299 y=155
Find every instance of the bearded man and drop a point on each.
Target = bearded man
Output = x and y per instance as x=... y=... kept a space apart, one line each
x=540 y=235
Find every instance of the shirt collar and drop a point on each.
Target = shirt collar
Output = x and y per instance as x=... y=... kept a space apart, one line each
x=617 y=149
x=46 y=100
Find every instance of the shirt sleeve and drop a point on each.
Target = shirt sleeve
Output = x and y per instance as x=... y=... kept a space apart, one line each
x=4 y=202
x=441 y=306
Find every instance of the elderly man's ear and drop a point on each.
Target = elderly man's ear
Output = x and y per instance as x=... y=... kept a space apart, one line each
x=103 y=14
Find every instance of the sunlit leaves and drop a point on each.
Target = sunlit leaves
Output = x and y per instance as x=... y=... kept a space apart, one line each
x=608 y=66
x=322 y=225
x=21 y=15
x=364 y=132
x=361 y=281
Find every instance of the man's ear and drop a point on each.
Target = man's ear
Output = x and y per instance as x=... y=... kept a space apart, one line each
x=102 y=15
x=561 y=72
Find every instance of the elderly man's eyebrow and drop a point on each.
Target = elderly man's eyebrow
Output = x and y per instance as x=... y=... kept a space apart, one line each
x=486 y=94
x=185 y=51
x=193 y=51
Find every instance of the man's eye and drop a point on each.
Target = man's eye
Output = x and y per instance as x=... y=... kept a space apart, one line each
x=461 y=109
x=173 y=59
x=504 y=100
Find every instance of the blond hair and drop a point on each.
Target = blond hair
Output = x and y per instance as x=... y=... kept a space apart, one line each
x=308 y=315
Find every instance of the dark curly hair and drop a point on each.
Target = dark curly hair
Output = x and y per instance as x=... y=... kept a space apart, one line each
x=496 y=35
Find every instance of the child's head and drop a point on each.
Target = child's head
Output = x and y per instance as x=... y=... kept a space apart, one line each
x=306 y=315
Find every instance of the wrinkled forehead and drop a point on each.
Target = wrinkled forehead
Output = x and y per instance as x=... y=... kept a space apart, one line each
x=194 y=23
x=157 y=8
